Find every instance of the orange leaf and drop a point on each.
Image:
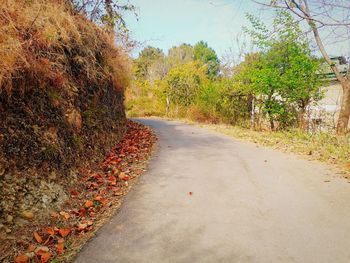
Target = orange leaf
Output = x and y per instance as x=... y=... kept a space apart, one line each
x=31 y=248
x=64 y=232
x=65 y=215
x=60 y=246
x=45 y=257
x=82 y=227
x=88 y=204
x=112 y=180
x=50 y=231
x=82 y=212
x=98 y=198
x=124 y=177
x=38 y=237
x=74 y=192
x=21 y=259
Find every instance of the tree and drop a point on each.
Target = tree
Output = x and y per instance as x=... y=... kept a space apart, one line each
x=207 y=56
x=182 y=54
x=108 y=13
x=334 y=15
x=147 y=57
x=284 y=74
x=184 y=82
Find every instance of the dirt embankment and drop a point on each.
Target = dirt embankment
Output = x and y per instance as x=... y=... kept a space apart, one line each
x=61 y=105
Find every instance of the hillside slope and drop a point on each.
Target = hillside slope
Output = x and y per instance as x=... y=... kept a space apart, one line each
x=62 y=80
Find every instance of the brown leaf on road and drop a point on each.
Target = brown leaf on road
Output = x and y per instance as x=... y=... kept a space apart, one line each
x=38 y=237
x=81 y=227
x=21 y=259
x=60 y=246
x=65 y=215
x=88 y=204
x=124 y=177
x=50 y=231
x=64 y=232
x=45 y=257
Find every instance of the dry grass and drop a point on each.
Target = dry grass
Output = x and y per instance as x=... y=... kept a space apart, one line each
x=323 y=147
x=41 y=39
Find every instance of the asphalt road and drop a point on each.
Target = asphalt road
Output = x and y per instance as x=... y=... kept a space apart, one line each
x=248 y=204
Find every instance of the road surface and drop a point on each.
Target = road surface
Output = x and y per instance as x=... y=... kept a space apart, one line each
x=248 y=204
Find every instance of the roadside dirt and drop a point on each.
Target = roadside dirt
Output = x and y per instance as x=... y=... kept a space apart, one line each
x=91 y=198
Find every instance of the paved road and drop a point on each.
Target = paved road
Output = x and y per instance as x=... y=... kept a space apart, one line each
x=249 y=204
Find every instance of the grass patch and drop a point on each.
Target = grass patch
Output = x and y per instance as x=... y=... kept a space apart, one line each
x=323 y=147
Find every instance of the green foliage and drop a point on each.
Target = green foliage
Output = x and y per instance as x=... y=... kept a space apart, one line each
x=207 y=56
x=179 y=55
x=282 y=76
x=276 y=84
x=147 y=57
x=184 y=83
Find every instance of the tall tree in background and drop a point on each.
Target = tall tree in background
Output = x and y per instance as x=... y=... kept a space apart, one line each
x=180 y=54
x=324 y=14
x=147 y=57
x=205 y=54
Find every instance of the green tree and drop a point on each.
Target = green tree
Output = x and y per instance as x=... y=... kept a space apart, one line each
x=147 y=57
x=181 y=54
x=207 y=56
x=184 y=83
x=284 y=75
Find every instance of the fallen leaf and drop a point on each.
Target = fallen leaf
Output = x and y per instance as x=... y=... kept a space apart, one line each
x=82 y=212
x=21 y=259
x=45 y=257
x=124 y=177
x=112 y=180
x=74 y=192
x=60 y=246
x=81 y=227
x=98 y=198
x=38 y=237
x=50 y=231
x=88 y=204
x=65 y=215
x=50 y=238
x=41 y=250
x=64 y=232
x=31 y=248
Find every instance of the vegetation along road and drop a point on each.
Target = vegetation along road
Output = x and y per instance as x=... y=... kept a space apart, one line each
x=208 y=198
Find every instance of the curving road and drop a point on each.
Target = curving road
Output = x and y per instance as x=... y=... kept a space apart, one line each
x=248 y=204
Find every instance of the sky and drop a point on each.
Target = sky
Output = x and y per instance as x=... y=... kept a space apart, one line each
x=166 y=23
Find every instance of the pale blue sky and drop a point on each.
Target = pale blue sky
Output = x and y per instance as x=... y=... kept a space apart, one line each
x=165 y=23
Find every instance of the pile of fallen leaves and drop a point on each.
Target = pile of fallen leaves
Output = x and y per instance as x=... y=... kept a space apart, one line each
x=93 y=200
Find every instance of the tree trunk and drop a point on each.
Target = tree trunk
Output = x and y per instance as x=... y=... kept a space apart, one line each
x=301 y=120
x=344 y=114
x=272 y=124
